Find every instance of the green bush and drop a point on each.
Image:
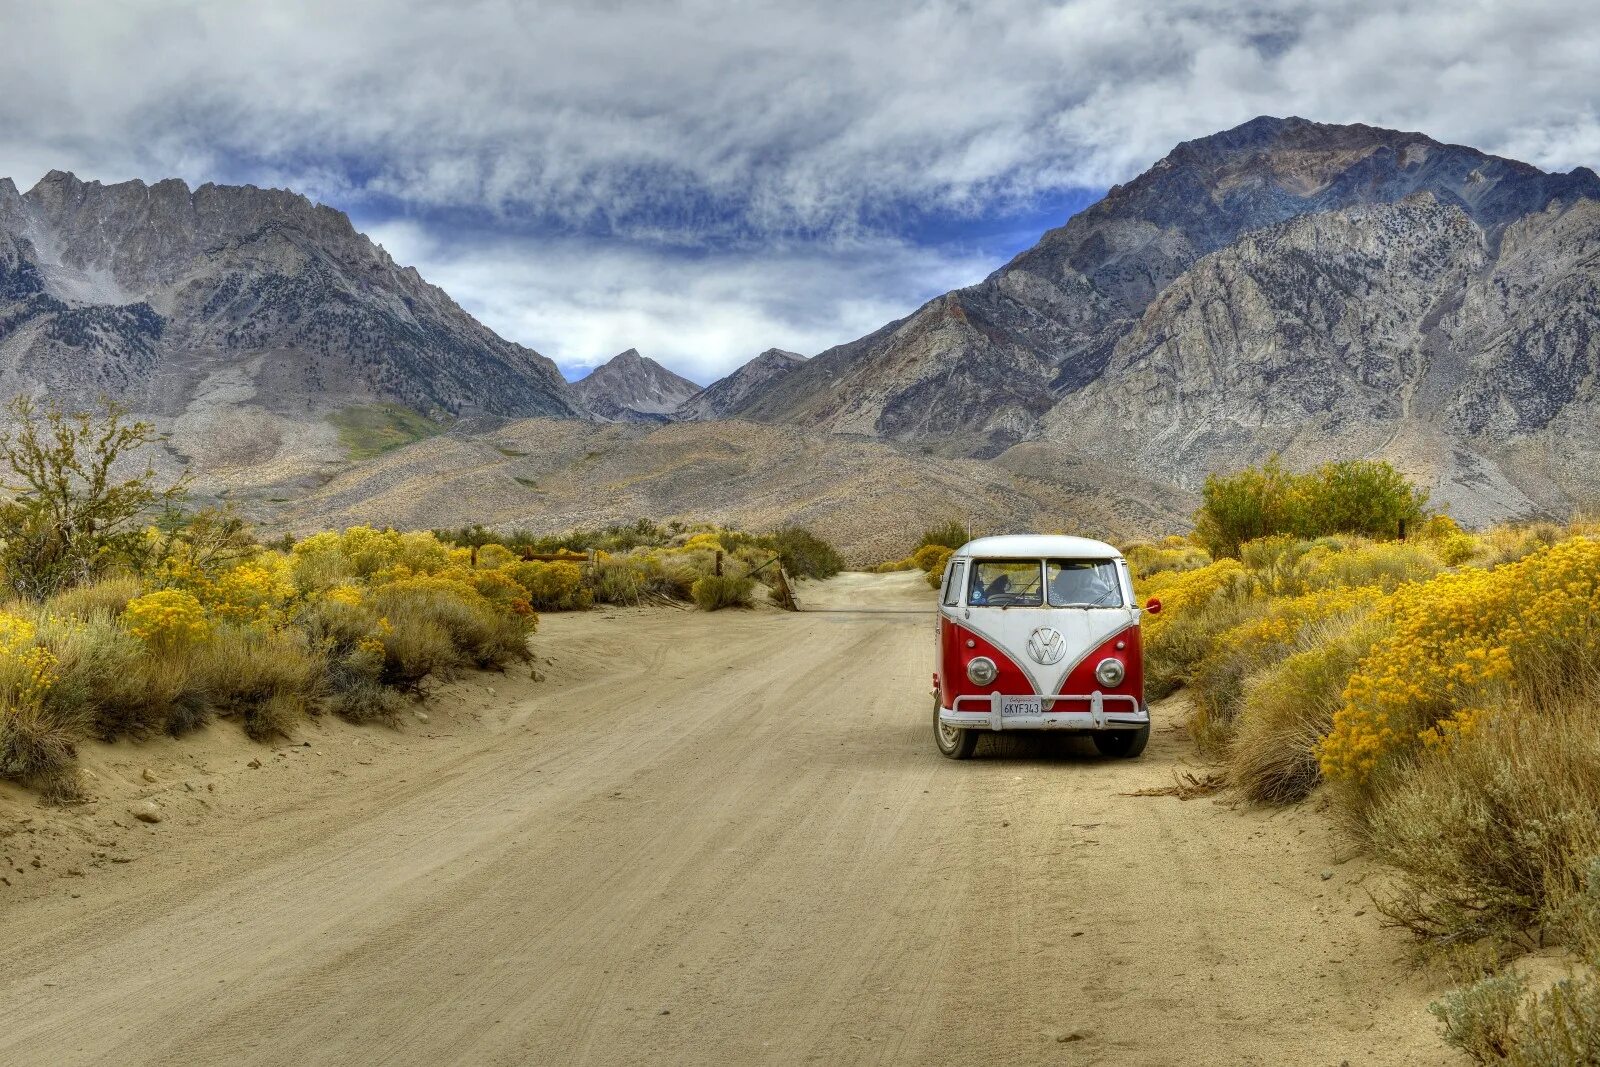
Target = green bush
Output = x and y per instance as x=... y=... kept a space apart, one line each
x=805 y=555
x=951 y=535
x=1363 y=497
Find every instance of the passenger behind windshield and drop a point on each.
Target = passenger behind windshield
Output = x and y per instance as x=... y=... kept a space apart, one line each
x=1005 y=583
x=1083 y=583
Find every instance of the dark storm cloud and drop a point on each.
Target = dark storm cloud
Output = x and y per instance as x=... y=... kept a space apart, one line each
x=743 y=152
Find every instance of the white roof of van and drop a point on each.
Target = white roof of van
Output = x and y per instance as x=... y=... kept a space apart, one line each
x=1038 y=546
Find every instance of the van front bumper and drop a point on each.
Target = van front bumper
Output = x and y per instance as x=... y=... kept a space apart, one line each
x=1094 y=711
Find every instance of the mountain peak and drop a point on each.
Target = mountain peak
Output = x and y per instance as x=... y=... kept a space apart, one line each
x=137 y=277
x=630 y=387
x=727 y=396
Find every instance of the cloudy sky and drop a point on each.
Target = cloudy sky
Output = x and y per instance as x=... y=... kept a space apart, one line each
x=703 y=180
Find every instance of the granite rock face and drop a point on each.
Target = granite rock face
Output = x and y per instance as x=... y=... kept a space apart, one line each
x=148 y=292
x=728 y=394
x=1283 y=286
x=633 y=388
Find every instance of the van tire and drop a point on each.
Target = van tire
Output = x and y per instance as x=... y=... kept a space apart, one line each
x=960 y=746
x=1122 y=744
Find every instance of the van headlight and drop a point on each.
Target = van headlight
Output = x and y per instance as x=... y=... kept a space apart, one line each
x=982 y=671
x=1110 y=672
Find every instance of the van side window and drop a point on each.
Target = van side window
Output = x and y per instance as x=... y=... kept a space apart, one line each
x=952 y=584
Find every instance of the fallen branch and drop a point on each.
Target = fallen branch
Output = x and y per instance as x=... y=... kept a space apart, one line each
x=1185 y=786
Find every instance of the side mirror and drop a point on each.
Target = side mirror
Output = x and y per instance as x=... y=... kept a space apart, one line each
x=1153 y=606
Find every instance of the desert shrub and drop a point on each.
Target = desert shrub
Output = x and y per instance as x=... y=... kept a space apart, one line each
x=951 y=535
x=1482 y=1019
x=493 y=556
x=1197 y=605
x=556 y=586
x=327 y=559
x=36 y=748
x=1385 y=565
x=348 y=637
x=437 y=625
x=1490 y=829
x=931 y=559
x=268 y=678
x=1495 y=1019
x=34 y=744
x=805 y=555
x=1288 y=707
x=1362 y=497
x=1272 y=631
x=1178 y=646
x=70 y=518
x=103 y=684
x=714 y=592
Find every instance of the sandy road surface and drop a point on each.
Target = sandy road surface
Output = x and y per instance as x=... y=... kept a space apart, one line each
x=719 y=839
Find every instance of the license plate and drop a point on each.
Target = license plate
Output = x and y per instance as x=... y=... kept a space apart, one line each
x=1022 y=706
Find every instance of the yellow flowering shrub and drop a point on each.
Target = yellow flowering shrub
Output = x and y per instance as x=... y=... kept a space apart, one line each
x=555 y=586
x=329 y=558
x=1185 y=591
x=348 y=595
x=1463 y=641
x=1284 y=620
x=258 y=591
x=27 y=670
x=493 y=557
x=704 y=542
x=167 y=618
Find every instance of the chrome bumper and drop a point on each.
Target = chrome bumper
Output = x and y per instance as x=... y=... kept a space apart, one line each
x=1094 y=711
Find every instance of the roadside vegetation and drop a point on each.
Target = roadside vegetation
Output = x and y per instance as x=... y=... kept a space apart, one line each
x=126 y=615
x=1443 y=691
x=931 y=553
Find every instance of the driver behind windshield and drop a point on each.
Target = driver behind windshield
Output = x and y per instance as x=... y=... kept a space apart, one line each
x=1005 y=584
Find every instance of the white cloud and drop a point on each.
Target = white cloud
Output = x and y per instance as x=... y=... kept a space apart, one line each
x=581 y=303
x=735 y=128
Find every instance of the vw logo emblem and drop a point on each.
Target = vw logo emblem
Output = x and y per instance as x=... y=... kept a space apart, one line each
x=1047 y=646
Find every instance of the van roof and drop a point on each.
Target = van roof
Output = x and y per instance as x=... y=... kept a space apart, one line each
x=1038 y=546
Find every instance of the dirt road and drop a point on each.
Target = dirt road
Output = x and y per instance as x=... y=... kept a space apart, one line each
x=713 y=839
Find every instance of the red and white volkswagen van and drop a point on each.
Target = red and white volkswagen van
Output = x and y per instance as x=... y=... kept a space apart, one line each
x=1039 y=633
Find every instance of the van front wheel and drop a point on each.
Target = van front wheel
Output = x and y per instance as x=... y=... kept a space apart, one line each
x=1123 y=744
x=953 y=742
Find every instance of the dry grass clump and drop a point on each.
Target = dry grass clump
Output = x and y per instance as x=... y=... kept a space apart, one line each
x=1146 y=559
x=1288 y=707
x=715 y=592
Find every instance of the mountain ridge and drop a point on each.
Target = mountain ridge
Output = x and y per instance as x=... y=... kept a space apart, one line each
x=1041 y=349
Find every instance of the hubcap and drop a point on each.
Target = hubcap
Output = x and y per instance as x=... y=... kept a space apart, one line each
x=948 y=736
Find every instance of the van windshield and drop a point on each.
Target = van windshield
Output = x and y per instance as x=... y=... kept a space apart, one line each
x=1005 y=583
x=1083 y=583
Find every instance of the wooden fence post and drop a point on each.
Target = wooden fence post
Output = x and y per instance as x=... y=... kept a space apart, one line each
x=719 y=563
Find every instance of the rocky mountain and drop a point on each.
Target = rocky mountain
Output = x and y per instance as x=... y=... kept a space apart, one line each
x=150 y=292
x=1285 y=285
x=728 y=394
x=633 y=388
